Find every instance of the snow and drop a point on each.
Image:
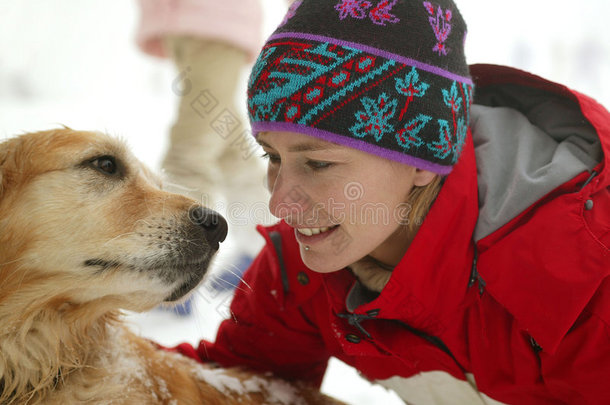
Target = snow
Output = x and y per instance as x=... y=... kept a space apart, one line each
x=74 y=62
x=283 y=393
x=279 y=392
x=126 y=366
x=218 y=379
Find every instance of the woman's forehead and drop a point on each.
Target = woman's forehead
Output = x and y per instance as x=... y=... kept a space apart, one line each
x=295 y=142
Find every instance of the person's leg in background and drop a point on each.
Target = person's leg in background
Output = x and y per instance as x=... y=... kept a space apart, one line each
x=209 y=74
x=210 y=154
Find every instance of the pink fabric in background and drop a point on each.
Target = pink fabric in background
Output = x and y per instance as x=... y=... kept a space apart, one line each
x=238 y=22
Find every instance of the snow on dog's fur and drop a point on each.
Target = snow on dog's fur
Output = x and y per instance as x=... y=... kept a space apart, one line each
x=85 y=231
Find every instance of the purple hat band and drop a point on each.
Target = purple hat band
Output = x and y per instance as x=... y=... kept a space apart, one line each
x=258 y=127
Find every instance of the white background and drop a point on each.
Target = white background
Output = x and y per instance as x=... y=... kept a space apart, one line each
x=74 y=62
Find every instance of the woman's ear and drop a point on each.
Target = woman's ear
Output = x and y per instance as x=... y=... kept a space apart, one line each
x=423 y=177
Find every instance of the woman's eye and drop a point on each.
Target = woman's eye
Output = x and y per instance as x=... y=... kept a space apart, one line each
x=105 y=164
x=274 y=159
x=318 y=165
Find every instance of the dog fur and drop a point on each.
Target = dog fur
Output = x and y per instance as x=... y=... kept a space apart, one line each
x=85 y=232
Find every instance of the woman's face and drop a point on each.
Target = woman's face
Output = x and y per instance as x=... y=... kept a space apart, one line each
x=343 y=203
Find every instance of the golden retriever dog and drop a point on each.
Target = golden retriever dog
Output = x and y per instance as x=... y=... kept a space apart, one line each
x=85 y=232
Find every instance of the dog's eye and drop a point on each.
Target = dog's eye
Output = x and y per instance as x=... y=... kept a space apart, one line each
x=105 y=164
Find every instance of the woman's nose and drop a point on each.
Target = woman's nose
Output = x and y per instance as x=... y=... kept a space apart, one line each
x=288 y=200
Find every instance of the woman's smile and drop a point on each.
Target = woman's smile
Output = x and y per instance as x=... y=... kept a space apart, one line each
x=311 y=236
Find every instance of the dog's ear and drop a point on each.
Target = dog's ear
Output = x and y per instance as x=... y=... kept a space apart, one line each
x=5 y=151
x=2 y=163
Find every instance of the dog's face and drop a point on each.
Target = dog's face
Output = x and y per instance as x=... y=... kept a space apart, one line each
x=80 y=214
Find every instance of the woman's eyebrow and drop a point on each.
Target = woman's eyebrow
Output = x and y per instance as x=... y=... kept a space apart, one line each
x=263 y=143
x=305 y=146
x=311 y=146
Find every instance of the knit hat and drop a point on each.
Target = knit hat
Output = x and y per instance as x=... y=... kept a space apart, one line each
x=388 y=77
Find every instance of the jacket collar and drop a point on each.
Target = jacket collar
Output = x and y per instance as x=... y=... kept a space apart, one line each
x=547 y=286
x=430 y=282
x=489 y=75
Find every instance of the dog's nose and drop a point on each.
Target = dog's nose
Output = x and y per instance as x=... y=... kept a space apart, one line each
x=214 y=225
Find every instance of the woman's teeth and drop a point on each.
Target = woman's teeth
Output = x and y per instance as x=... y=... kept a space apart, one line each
x=313 y=231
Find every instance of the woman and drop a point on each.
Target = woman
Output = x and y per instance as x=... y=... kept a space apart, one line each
x=454 y=254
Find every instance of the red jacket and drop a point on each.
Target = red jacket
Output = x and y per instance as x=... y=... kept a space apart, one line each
x=487 y=302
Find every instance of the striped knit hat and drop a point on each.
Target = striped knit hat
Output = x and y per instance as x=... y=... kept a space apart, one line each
x=388 y=77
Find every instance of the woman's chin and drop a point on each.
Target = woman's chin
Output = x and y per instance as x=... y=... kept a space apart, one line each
x=320 y=263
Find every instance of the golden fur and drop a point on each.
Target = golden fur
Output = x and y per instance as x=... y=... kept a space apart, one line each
x=78 y=243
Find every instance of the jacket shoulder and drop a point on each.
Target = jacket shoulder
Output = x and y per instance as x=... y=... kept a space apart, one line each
x=547 y=263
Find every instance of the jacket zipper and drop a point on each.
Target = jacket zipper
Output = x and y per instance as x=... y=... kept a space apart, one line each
x=434 y=340
x=474 y=274
x=355 y=319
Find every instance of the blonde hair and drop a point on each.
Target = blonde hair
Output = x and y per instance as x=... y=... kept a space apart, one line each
x=421 y=199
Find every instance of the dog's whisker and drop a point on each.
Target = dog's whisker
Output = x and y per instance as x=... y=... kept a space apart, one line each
x=177 y=186
x=118 y=237
x=236 y=286
x=192 y=242
x=205 y=347
x=23 y=273
x=147 y=205
x=235 y=273
x=163 y=208
x=12 y=261
x=143 y=221
x=198 y=292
